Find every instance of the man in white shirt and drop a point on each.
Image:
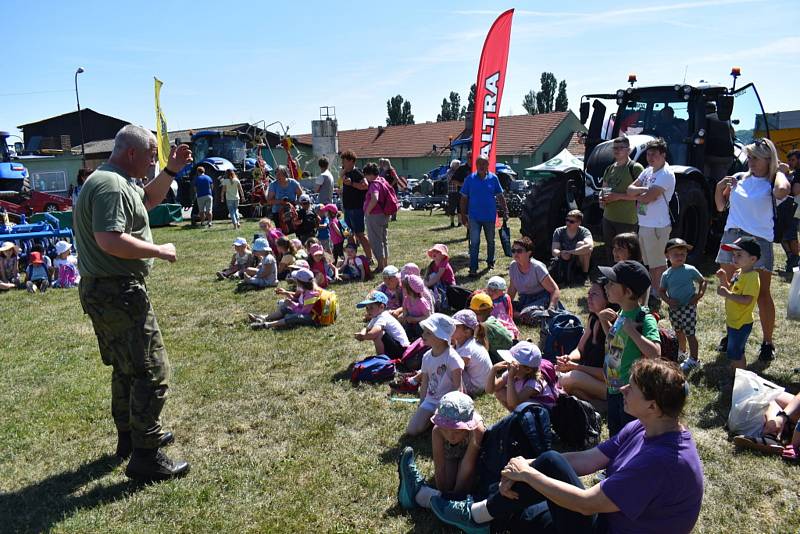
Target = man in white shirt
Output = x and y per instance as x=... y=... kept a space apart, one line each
x=653 y=189
x=324 y=183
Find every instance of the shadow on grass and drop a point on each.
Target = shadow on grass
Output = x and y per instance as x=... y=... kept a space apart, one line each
x=421 y=445
x=717 y=377
x=38 y=507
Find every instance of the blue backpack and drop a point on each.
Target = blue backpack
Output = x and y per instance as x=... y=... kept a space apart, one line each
x=524 y=432
x=373 y=369
x=562 y=333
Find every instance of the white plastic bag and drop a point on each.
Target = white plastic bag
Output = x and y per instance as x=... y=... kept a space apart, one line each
x=793 y=301
x=751 y=396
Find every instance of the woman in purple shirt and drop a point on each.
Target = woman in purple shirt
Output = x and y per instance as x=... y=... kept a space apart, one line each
x=653 y=484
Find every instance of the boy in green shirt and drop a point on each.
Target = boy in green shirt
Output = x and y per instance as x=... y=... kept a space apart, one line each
x=740 y=294
x=633 y=335
x=497 y=335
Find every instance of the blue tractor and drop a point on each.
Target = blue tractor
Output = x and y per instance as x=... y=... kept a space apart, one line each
x=13 y=175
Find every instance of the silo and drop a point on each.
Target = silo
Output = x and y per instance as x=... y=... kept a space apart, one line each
x=325 y=139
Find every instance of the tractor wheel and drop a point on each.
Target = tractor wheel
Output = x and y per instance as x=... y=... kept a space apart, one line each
x=694 y=222
x=545 y=209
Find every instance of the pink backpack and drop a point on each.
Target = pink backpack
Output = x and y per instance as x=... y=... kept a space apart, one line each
x=388 y=198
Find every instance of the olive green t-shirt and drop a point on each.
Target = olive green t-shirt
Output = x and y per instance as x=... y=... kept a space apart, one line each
x=618 y=178
x=110 y=201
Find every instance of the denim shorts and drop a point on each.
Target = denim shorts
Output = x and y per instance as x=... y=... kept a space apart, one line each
x=764 y=263
x=737 y=341
x=354 y=219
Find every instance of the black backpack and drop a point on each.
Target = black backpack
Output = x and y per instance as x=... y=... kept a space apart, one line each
x=576 y=422
x=524 y=432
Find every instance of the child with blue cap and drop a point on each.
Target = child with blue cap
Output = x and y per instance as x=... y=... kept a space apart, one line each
x=383 y=329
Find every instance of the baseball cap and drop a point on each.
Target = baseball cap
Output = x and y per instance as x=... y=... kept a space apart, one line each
x=630 y=274
x=440 y=325
x=456 y=411
x=62 y=247
x=305 y=198
x=390 y=271
x=316 y=248
x=746 y=243
x=303 y=275
x=677 y=242
x=496 y=282
x=481 y=302
x=330 y=208
x=240 y=241
x=376 y=297
x=467 y=318
x=261 y=245
x=439 y=247
x=524 y=352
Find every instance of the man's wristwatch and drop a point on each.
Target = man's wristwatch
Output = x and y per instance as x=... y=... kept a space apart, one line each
x=170 y=173
x=784 y=414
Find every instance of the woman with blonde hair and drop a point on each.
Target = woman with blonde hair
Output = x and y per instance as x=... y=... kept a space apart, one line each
x=750 y=198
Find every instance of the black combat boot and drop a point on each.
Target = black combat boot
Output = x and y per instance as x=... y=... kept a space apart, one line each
x=152 y=465
x=125 y=445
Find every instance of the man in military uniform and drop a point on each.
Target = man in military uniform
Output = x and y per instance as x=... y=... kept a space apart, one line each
x=112 y=232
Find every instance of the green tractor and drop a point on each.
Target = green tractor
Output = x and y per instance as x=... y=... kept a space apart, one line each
x=705 y=126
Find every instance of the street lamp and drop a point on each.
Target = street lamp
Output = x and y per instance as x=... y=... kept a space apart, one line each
x=80 y=118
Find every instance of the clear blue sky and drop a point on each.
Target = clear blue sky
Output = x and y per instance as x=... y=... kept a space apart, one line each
x=223 y=64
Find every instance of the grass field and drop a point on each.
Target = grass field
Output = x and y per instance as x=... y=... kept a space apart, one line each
x=278 y=439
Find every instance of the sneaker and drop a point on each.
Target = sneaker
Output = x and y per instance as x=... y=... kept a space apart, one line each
x=220 y=276
x=723 y=345
x=404 y=385
x=258 y=325
x=411 y=480
x=682 y=356
x=457 y=514
x=688 y=364
x=152 y=465
x=767 y=352
x=472 y=274
x=490 y=266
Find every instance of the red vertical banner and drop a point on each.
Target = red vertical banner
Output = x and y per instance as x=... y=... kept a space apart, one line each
x=491 y=80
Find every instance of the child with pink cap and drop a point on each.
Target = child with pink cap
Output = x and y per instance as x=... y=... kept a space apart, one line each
x=522 y=379
x=456 y=441
x=439 y=274
x=324 y=271
x=417 y=305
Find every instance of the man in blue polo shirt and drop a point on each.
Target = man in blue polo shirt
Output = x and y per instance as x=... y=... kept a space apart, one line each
x=480 y=196
x=203 y=184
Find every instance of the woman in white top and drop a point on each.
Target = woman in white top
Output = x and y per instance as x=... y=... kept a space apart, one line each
x=232 y=193
x=751 y=210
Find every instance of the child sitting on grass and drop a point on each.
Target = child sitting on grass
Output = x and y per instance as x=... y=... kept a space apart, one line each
x=37 y=275
x=287 y=251
x=242 y=259
x=679 y=292
x=439 y=274
x=440 y=373
x=272 y=234
x=383 y=329
x=417 y=305
x=324 y=271
x=521 y=381
x=498 y=337
x=501 y=304
x=456 y=441
x=391 y=287
x=740 y=294
x=295 y=308
x=469 y=340
x=266 y=274
x=353 y=268
x=9 y=266
x=66 y=267
x=300 y=252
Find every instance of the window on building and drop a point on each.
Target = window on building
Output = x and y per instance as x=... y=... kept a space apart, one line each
x=50 y=182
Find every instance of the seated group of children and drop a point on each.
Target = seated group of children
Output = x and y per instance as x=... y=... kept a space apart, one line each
x=41 y=271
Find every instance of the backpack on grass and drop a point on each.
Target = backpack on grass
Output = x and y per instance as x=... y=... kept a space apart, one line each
x=669 y=340
x=373 y=369
x=576 y=422
x=562 y=333
x=326 y=308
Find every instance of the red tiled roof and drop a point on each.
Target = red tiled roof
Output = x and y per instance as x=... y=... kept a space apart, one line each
x=575 y=147
x=518 y=134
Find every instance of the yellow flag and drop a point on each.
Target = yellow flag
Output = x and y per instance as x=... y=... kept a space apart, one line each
x=161 y=129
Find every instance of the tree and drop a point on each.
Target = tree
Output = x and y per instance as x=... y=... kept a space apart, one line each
x=445 y=114
x=545 y=97
x=529 y=103
x=399 y=111
x=562 y=104
x=452 y=110
x=473 y=90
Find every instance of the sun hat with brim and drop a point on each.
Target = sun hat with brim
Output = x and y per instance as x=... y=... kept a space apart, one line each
x=456 y=411
x=439 y=247
x=303 y=275
x=440 y=325
x=746 y=243
x=315 y=249
x=525 y=353
x=376 y=297
x=261 y=245
x=300 y=264
x=628 y=273
x=239 y=242
x=390 y=271
x=409 y=268
x=481 y=302
x=62 y=247
x=466 y=318
x=415 y=283
x=36 y=258
x=677 y=242
x=496 y=283
x=7 y=245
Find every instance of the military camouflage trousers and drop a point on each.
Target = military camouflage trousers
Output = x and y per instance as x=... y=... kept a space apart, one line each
x=130 y=342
